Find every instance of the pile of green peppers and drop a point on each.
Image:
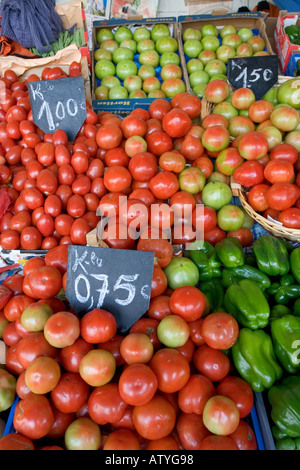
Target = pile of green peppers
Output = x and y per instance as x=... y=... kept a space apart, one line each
x=293 y=32
x=262 y=292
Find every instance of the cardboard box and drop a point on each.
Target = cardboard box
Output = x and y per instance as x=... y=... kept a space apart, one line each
x=291 y=69
x=253 y=21
x=125 y=106
x=270 y=30
x=283 y=45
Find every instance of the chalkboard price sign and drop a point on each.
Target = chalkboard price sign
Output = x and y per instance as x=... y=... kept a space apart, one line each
x=258 y=73
x=115 y=280
x=58 y=104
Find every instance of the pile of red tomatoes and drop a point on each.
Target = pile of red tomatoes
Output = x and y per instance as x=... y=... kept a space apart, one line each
x=166 y=384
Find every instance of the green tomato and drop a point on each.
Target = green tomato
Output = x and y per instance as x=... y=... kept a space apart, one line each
x=228 y=29
x=101 y=93
x=191 y=33
x=160 y=30
x=123 y=33
x=104 y=68
x=216 y=195
x=118 y=93
x=219 y=76
x=83 y=434
x=198 y=77
x=210 y=43
x=173 y=331
x=122 y=53
x=209 y=30
x=191 y=180
x=169 y=58
x=156 y=94
x=289 y=93
x=109 y=45
x=214 y=67
x=224 y=53
x=193 y=65
x=145 y=45
x=133 y=82
x=226 y=109
x=248 y=221
x=103 y=35
x=141 y=33
x=245 y=34
x=199 y=90
x=125 y=68
x=34 y=317
x=271 y=96
x=166 y=45
x=102 y=54
x=230 y=217
x=130 y=44
x=192 y=48
x=181 y=271
x=206 y=56
x=146 y=71
x=7 y=389
x=110 y=81
x=149 y=58
x=137 y=94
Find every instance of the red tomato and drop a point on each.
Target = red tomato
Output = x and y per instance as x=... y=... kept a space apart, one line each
x=98 y=326
x=281 y=196
x=253 y=145
x=159 y=142
x=191 y=430
x=189 y=103
x=121 y=439
x=109 y=136
x=33 y=417
x=239 y=391
x=61 y=423
x=187 y=302
x=212 y=363
x=244 y=436
x=193 y=396
x=42 y=375
x=79 y=229
x=147 y=326
x=171 y=369
x=290 y=218
x=159 y=281
x=159 y=108
x=133 y=125
x=216 y=138
x=117 y=178
x=279 y=171
x=70 y=393
x=62 y=329
x=45 y=282
x=164 y=185
x=260 y=111
x=214 y=235
x=172 y=161
x=136 y=348
x=105 y=404
x=284 y=152
x=218 y=443
x=162 y=249
x=176 y=123
x=154 y=420
x=143 y=166
x=221 y=416
x=137 y=384
x=220 y=330
x=257 y=197
x=16 y=441
x=166 y=443
x=33 y=346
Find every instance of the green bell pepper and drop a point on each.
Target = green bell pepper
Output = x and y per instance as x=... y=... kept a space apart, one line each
x=284 y=399
x=285 y=332
x=287 y=280
x=233 y=275
x=230 y=252
x=204 y=256
x=295 y=263
x=214 y=291
x=246 y=302
x=286 y=293
x=293 y=33
x=287 y=443
x=278 y=311
x=254 y=358
x=273 y=288
x=271 y=256
x=277 y=433
x=296 y=309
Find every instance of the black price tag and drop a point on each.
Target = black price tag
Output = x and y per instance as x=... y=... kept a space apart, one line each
x=258 y=73
x=115 y=280
x=58 y=104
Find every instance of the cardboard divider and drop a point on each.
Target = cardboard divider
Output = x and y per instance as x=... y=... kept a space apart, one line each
x=239 y=20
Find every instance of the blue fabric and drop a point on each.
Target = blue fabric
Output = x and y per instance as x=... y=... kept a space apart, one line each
x=32 y=23
x=289 y=5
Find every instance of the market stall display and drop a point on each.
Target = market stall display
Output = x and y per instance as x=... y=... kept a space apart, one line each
x=152 y=305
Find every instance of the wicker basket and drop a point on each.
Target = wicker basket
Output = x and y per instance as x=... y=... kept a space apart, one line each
x=207 y=107
x=271 y=227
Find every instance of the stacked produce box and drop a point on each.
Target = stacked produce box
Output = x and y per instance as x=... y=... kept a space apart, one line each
x=213 y=362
